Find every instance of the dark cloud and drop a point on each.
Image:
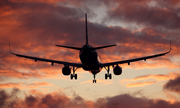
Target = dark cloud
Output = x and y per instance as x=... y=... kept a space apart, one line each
x=5 y=97
x=128 y=101
x=173 y=85
x=30 y=101
x=54 y=100
x=149 y=13
x=60 y=100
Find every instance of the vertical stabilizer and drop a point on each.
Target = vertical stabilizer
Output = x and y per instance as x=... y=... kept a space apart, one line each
x=86 y=29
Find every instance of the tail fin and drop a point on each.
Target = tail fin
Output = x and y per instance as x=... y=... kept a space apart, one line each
x=77 y=48
x=86 y=29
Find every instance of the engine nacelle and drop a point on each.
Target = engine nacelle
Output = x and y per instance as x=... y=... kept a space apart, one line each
x=117 y=70
x=66 y=70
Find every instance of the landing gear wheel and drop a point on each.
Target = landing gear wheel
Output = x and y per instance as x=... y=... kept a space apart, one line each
x=106 y=76
x=94 y=81
x=110 y=76
x=71 y=76
x=75 y=76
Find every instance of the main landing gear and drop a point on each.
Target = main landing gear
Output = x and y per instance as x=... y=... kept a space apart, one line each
x=74 y=75
x=94 y=81
x=108 y=74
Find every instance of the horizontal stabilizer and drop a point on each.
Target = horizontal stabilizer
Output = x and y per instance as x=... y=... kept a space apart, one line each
x=95 y=48
x=76 y=48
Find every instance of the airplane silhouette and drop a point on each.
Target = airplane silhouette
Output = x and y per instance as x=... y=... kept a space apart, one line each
x=90 y=60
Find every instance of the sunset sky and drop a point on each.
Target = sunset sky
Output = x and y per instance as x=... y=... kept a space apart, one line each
x=138 y=27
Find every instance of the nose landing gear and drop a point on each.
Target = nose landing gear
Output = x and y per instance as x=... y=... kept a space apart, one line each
x=94 y=81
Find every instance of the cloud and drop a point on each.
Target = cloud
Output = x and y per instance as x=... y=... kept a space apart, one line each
x=173 y=85
x=21 y=85
x=4 y=97
x=140 y=84
x=147 y=12
x=56 y=100
x=10 y=85
x=53 y=100
x=37 y=84
x=40 y=1
x=156 y=78
x=128 y=101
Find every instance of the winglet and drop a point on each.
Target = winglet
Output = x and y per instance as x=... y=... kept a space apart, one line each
x=170 y=47
x=10 y=48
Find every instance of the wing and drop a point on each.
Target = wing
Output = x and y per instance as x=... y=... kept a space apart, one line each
x=133 y=60
x=78 y=65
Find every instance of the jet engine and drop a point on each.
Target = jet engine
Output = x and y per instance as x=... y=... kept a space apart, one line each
x=117 y=70
x=66 y=70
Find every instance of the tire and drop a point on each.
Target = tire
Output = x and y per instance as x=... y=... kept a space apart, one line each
x=94 y=81
x=75 y=76
x=110 y=76
x=71 y=76
x=106 y=76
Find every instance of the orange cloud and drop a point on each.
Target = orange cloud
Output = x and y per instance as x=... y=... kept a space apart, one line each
x=40 y=1
x=37 y=84
x=25 y=85
x=11 y=85
x=140 y=84
x=15 y=74
x=157 y=78
x=36 y=92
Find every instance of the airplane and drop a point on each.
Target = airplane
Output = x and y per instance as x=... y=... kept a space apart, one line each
x=90 y=60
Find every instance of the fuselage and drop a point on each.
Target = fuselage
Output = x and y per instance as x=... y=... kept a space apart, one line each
x=90 y=59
